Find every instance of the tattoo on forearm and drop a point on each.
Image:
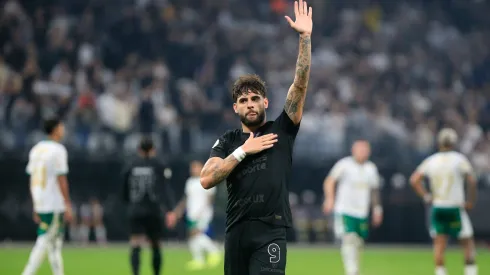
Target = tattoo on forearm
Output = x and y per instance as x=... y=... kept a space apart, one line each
x=220 y=171
x=296 y=94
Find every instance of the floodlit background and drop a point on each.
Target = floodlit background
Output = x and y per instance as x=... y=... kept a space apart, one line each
x=393 y=72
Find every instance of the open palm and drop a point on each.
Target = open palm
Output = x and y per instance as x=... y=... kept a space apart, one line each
x=303 y=18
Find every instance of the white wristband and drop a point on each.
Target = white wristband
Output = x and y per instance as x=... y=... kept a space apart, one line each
x=239 y=154
x=378 y=210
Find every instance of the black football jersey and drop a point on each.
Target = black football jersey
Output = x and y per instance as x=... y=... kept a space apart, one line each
x=258 y=186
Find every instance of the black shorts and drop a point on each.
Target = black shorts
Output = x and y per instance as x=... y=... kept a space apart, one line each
x=255 y=248
x=149 y=225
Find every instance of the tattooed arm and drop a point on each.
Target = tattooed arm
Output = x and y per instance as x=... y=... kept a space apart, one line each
x=217 y=170
x=295 y=99
x=303 y=24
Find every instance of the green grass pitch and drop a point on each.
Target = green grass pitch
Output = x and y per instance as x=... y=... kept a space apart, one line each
x=301 y=261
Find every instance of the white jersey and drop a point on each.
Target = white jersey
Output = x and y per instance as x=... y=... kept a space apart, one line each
x=47 y=160
x=355 y=182
x=446 y=173
x=198 y=199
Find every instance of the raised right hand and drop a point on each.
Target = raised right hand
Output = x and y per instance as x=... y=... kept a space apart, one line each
x=253 y=145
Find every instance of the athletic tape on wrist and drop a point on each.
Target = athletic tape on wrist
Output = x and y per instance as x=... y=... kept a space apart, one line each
x=239 y=154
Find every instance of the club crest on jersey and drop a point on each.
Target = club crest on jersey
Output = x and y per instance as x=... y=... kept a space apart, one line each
x=216 y=143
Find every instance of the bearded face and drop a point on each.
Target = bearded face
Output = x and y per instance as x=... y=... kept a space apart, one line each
x=250 y=108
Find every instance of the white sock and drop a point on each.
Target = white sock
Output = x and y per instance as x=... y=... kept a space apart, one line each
x=440 y=270
x=471 y=270
x=206 y=243
x=350 y=253
x=196 y=250
x=55 y=257
x=100 y=234
x=84 y=233
x=37 y=255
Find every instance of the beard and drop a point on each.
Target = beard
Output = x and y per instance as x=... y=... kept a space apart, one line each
x=257 y=121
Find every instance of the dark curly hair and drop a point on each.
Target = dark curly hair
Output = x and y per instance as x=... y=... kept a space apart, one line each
x=246 y=83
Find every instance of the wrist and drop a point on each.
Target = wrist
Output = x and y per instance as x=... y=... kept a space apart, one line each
x=427 y=198
x=239 y=154
x=305 y=35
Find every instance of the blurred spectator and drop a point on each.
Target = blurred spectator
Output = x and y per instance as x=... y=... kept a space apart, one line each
x=391 y=72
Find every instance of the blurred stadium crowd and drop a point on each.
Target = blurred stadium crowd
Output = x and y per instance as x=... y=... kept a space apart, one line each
x=393 y=72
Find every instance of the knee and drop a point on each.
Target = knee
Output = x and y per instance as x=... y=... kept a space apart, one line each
x=136 y=241
x=352 y=239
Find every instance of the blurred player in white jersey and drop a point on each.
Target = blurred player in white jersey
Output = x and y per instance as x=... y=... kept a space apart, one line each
x=447 y=172
x=198 y=203
x=358 y=187
x=48 y=167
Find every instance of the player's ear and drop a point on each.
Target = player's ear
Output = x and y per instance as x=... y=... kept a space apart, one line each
x=266 y=103
x=235 y=108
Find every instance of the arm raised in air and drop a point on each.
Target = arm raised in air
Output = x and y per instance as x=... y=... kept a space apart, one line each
x=296 y=96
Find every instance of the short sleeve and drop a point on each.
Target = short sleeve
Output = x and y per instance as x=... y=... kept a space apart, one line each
x=374 y=178
x=62 y=162
x=423 y=168
x=465 y=166
x=186 y=188
x=29 y=167
x=337 y=170
x=286 y=124
x=219 y=148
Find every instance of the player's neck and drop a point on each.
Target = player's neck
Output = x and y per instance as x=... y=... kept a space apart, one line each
x=445 y=149
x=247 y=129
x=360 y=162
x=54 y=138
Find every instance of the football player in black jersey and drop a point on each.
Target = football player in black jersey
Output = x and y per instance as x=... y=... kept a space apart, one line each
x=256 y=163
x=144 y=183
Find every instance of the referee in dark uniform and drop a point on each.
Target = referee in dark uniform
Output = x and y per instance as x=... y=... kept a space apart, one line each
x=144 y=183
x=256 y=162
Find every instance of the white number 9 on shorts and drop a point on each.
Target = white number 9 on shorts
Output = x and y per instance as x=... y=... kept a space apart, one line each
x=275 y=252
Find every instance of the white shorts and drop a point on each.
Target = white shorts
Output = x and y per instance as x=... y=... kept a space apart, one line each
x=466 y=227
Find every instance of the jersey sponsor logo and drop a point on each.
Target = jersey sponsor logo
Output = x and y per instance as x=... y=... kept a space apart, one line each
x=256 y=165
x=250 y=200
x=271 y=270
x=216 y=143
